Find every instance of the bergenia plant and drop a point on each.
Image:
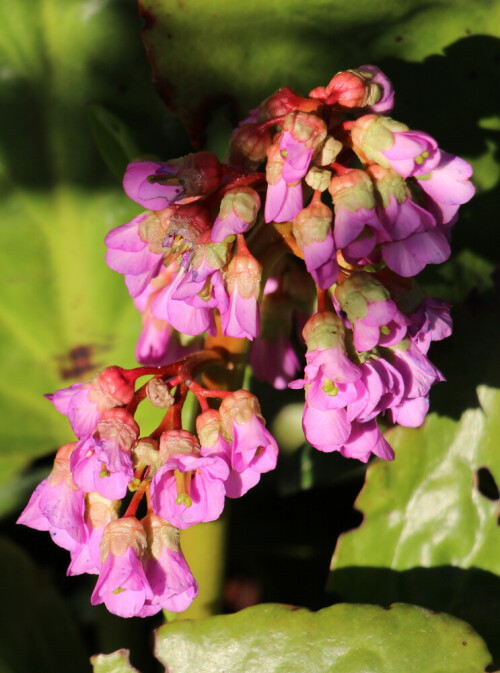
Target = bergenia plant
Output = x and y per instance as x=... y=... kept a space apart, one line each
x=298 y=253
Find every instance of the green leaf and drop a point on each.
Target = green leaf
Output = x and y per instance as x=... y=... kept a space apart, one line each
x=63 y=313
x=37 y=632
x=340 y=639
x=113 y=139
x=116 y=662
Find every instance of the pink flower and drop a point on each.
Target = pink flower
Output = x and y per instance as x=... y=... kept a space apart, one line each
x=253 y=447
x=312 y=228
x=274 y=361
x=122 y=585
x=86 y=557
x=172 y=583
x=237 y=214
x=386 y=102
x=152 y=185
x=83 y=403
x=189 y=489
x=241 y=318
x=57 y=505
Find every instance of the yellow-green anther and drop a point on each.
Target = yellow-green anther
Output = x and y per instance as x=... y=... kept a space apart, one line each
x=119 y=590
x=284 y=154
x=104 y=472
x=184 y=499
x=384 y=330
x=330 y=388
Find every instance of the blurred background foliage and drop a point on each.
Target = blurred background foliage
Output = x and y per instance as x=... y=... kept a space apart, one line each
x=77 y=102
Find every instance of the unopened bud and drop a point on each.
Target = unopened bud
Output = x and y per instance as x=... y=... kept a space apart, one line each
x=323 y=330
x=118 y=425
x=318 y=178
x=176 y=442
x=244 y=272
x=248 y=146
x=284 y=101
x=158 y=393
x=352 y=191
x=110 y=389
x=329 y=152
x=208 y=426
x=146 y=454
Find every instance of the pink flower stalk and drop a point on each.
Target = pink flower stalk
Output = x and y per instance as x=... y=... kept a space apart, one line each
x=103 y=462
x=57 y=505
x=312 y=228
x=167 y=572
x=83 y=403
x=86 y=557
x=237 y=214
x=393 y=145
x=189 y=489
x=122 y=585
x=375 y=318
x=253 y=447
x=241 y=318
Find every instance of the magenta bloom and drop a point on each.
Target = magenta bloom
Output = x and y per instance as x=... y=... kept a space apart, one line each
x=57 y=505
x=122 y=585
x=413 y=153
x=241 y=318
x=172 y=583
x=152 y=185
x=128 y=254
x=312 y=228
x=238 y=211
x=189 y=489
x=432 y=322
x=386 y=102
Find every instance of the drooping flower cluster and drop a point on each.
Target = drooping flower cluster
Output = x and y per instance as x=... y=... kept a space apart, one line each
x=185 y=478
x=310 y=232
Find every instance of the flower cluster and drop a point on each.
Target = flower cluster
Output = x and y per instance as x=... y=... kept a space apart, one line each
x=311 y=232
x=185 y=478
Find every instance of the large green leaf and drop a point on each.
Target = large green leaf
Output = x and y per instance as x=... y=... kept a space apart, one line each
x=37 y=632
x=63 y=313
x=340 y=639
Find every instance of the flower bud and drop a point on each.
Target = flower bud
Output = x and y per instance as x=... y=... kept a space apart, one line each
x=241 y=406
x=323 y=330
x=237 y=214
x=312 y=224
x=357 y=292
x=117 y=425
x=329 y=152
x=244 y=274
x=352 y=191
x=158 y=393
x=208 y=427
x=248 y=146
x=146 y=454
x=176 y=442
x=318 y=179
x=373 y=134
x=284 y=101
x=349 y=89
x=110 y=389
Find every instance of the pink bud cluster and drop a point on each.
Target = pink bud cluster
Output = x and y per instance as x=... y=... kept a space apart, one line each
x=185 y=478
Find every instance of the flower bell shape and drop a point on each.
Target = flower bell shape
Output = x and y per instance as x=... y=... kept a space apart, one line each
x=57 y=505
x=188 y=488
x=99 y=511
x=122 y=585
x=312 y=228
x=393 y=145
x=172 y=583
x=384 y=105
x=237 y=213
x=103 y=462
x=375 y=318
x=357 y=228
x=83 y=403
x=243 y=425
x=157 y=185
x=241 y=318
